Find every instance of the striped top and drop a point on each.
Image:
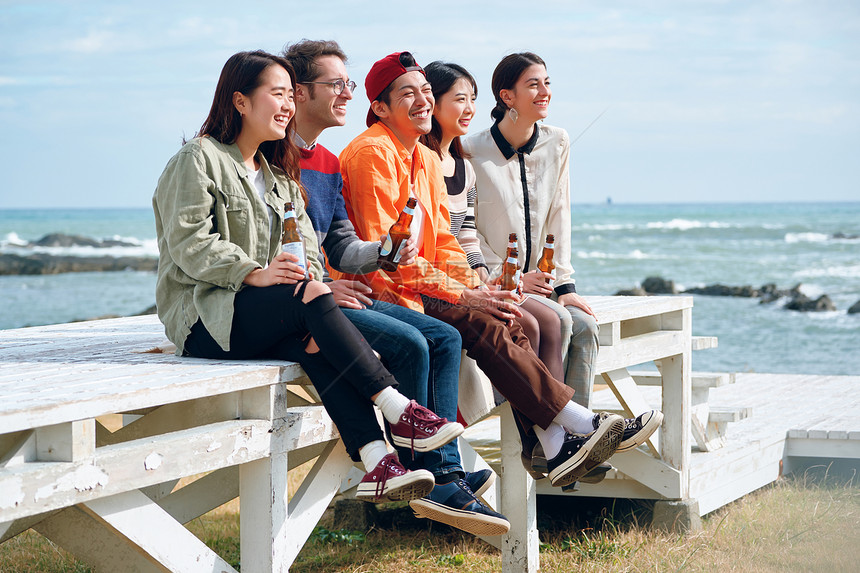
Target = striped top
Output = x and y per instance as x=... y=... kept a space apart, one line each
x=461 y=204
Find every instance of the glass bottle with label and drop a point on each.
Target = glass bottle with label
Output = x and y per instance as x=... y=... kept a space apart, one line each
x=546 y=263
x=291 y=241
x=389 y=252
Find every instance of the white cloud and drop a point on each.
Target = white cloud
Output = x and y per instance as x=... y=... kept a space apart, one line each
x=96 y=41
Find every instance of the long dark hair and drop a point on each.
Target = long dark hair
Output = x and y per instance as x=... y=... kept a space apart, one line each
x=242 y=73
x=505 y=77
x=442 y=77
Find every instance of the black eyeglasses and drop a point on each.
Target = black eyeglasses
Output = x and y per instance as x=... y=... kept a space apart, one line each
x=337 y=85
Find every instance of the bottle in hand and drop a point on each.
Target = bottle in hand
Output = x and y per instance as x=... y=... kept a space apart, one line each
x=546 y=263
x=291 y=241
x=511 y=269
x=389 y=253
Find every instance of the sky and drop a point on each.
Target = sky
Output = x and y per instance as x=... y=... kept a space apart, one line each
x=705 y=101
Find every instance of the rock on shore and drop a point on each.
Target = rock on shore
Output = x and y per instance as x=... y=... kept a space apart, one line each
x=47 y=264
x=64 y=240
x=767 y=293
x=42 y=264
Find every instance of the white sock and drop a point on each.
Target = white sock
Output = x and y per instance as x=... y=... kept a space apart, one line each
x=372 y=453
x=551 y=439
x=391 y=403
x=576 y=418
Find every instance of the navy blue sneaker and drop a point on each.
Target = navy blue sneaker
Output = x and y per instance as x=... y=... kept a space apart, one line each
x=480 y=481
x=639 y=429
x=454 y=504
x=594 y=474
x=581 y=453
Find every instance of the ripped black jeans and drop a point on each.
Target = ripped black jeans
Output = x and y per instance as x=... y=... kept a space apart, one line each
x=273 y=322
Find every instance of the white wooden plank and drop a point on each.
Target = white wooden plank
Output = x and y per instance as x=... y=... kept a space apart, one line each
x=263 y=488
x=677 y=394
x=641 y=349
x=17 y=448
x=518 y=503
x=698 y=379
x=608 y=333
x=628 y=394
x=704 y=342
x=69 y=442
x=823 y=448
x=724 y=414
x=313 y=496
x=38 y=487
x=150 y=528
x=653 y=473
x=202 y=495
x=98 y=546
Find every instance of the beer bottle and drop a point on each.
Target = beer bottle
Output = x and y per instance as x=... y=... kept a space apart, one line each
x=291 y=241
x=546 y=263
x=511 y=269
x=389 y=253
x=512 y=243
x=511 y=273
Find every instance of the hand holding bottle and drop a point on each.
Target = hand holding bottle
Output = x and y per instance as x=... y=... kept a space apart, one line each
x=535 y=282
x=408 y=252
x=283 y=269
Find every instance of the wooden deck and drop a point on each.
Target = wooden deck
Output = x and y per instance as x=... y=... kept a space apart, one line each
x=791 y=417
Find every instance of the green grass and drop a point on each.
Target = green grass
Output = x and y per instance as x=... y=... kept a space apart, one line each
x=805 y=523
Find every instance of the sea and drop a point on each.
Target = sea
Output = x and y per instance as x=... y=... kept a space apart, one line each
x=615 y=246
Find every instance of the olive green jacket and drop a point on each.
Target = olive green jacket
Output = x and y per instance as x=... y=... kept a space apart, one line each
x=213 y=230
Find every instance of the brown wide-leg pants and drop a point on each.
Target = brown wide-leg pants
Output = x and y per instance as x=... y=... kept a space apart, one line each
x=504 y=354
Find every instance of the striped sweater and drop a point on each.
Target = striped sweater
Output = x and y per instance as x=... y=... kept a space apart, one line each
x=461 y=205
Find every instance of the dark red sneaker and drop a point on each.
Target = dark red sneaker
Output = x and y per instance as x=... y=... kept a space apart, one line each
x=422 y=430
x=390 y=481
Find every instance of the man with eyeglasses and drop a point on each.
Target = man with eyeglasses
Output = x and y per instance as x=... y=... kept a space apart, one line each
x=421 y=352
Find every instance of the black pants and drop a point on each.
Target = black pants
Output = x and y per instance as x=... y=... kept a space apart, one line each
x=273 y=322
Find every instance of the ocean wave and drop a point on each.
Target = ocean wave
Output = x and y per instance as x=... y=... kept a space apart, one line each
x=840 y=271
x=635 y=254
x=686 y=225
x=604 y=227
x=806 y=237
x=12 y=239
x=145 y=248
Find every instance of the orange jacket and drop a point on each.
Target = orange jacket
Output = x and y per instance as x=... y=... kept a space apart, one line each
x=376 y=171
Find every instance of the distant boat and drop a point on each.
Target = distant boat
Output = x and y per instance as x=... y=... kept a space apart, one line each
x=609 y=200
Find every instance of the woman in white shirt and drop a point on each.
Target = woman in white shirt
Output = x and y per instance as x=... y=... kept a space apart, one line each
x=523 y=183
x=454 y=90
x=528 y=196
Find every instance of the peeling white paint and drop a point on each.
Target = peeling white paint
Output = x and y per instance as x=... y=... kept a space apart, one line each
x=213 y=446
x=84 y=478
x=12 y=493
x=152 y=461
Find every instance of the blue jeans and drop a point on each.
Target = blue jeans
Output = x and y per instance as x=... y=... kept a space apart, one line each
x=423 y=354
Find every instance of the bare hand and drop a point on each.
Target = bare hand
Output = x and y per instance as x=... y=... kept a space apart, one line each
x=350 y=294
x=496 y=302
x=282 y=270
x=534 y=282
x=573 y=299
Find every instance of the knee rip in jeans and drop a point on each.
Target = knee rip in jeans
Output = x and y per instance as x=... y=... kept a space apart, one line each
x=308 y=291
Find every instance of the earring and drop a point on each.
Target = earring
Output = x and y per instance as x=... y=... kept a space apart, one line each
x=514 y=115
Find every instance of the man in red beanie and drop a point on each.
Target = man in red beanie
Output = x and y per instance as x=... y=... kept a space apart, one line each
x=385 y=166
